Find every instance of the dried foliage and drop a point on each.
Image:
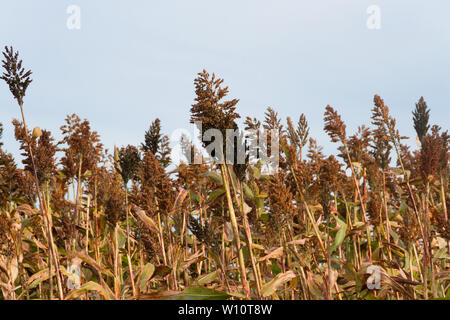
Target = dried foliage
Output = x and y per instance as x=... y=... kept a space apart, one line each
x=309 y=231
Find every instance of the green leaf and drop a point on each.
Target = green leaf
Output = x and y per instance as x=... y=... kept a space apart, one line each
x=256 y=173
x=262 y=195
x=87 y=173
x=210 y=277
x=441 y=254
x=122 y=238
x=214 y=176
x=275 y=268
x=61 y=175
x=194 y=196
x=248 y=192
x=340 y=235
x=200 y=293
x=233 y=179
x=215 y=194
x=145 y=275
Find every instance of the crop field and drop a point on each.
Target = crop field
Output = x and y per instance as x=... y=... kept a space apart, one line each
x=80 y=222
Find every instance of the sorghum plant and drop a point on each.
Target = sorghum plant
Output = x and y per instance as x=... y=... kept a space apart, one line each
x=136 y=226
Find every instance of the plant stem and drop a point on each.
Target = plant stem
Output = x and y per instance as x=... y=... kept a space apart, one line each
x=235 y=229
x=47 y=222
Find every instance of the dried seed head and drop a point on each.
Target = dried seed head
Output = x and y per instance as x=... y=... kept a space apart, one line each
x=204 y=234
x=240 y=146
x=9 y=187
x=381 y=147
x=157 y=143
x=210 y=109
x=421 y=115
x=334 y=125
x=357 y=146
x=272 y=121
x=43 y=148
x=110 y=195
x=434 y=153
x=156 y=191
x=302 y=130
x=382 y=118
x=82 y=147
x=281 y=209
x=15 y=75
x=153 y=137
x=128 y=163
x=292 y=133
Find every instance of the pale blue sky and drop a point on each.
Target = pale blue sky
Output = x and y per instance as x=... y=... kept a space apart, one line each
x=133 y=61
